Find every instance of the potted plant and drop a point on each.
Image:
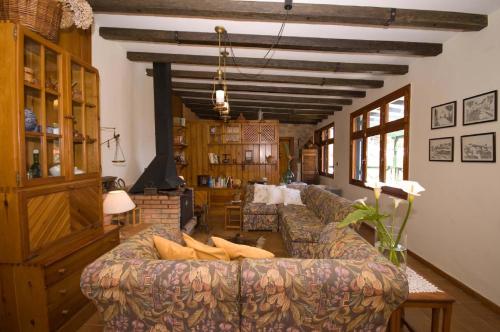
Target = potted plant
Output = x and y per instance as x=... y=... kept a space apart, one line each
x=391 y=236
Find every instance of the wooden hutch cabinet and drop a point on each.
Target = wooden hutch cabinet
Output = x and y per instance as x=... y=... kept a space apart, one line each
x=309 y=165
x=51 y=206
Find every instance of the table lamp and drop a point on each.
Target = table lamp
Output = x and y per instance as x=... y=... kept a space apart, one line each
x=117 y=202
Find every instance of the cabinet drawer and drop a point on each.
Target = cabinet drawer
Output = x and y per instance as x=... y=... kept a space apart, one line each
x=77 y=261
x=65 y=299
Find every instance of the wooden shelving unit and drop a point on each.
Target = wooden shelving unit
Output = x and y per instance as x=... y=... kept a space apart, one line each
x=51 y=219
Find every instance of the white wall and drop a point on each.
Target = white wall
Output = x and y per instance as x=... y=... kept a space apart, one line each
x=126 y=103
x=456 y=224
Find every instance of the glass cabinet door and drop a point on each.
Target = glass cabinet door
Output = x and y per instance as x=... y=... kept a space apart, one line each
x=91 y=122
x=41 y=111
x=78 y=116
x=85 y=115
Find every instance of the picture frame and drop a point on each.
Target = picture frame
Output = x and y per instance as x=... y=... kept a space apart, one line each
x=478 y=148
x=444 y=115
x=441 y=149
x=248 y=156
x=480 y=108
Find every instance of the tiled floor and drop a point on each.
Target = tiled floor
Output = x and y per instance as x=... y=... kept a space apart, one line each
x=469 y=314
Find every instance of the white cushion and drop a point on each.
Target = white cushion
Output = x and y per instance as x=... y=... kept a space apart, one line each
x=291 y=196
x=275 y=195
x=260 y=193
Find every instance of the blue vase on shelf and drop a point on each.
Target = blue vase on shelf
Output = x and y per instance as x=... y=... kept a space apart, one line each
x=30 y=123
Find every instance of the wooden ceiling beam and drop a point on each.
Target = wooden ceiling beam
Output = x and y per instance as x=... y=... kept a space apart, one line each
x=321 y=81
x=287 y=43
x=268 y=97
x=335 y=67
x=301 y=13
x=257 y=104
x=271 y=89
x=240 y=109
x=282 y=119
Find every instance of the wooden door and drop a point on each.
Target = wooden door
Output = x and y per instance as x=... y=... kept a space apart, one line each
x=283 y=159
x=309 y=166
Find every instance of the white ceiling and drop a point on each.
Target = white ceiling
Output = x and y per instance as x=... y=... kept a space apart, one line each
x=301 y=30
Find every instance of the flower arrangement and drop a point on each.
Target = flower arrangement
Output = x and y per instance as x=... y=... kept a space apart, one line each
x=77 y=12
x=389 y=235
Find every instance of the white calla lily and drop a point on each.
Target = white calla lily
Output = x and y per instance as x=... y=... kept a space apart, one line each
x=377 y=187
x=361 y=201
x=412 y=188
x=397 y=201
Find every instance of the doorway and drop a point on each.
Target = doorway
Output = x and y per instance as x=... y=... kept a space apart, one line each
x=286 y=142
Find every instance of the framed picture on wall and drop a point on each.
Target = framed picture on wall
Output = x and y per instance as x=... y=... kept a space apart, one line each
x=444 y=115
x=480 y=108
x=479 y=148
x=441 y=149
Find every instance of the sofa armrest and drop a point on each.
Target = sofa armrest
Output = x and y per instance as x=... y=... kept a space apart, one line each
x=181 y=295
x=320 y=294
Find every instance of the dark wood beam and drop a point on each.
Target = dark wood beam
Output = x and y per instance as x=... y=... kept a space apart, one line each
x=321 y=81
x=269 y=97
x=268 y=115
x=301 y=13
x=263 y=109
x=336 y=67
x=287 y=43
x=282 y=119
x=257 y=104
x=270 y=89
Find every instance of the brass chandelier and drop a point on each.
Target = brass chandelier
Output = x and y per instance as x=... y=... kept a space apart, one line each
x=220 y=98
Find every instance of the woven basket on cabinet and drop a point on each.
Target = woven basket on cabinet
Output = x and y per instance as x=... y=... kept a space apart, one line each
x=41 y=16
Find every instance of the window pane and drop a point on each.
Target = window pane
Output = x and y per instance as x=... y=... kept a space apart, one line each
x=374 y=118
x=330 y=159
x=331 y=132
x=396 y=109
x=357 y=153
x=323 y=158
x=358 y=123
x=373 y=158
x=394 y=153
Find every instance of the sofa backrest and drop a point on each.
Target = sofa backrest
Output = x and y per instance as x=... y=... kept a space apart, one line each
x=319 y=294
x=136 y=291
x=343 y=243
x=326 y=205
x=249 y=190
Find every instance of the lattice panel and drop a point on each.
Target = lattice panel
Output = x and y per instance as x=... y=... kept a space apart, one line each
x=48 y=219
x=250 y=133
x=267 y=133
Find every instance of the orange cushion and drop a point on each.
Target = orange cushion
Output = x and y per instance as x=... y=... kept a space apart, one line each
x=204 y=251
x=171 y=250
x=236 y=251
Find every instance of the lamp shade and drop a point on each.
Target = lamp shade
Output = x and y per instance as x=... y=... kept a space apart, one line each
x=117 y=201
x=219 y=96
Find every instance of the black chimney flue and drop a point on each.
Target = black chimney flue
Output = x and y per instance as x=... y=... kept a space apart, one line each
x=161 y=172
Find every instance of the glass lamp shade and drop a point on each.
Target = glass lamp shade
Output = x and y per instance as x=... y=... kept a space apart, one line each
x=219 y=97
x=117 y=201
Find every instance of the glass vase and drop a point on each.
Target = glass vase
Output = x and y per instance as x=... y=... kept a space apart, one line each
x=388 y=245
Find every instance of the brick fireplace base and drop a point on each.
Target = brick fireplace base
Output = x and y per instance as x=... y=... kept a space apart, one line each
x=159 y=209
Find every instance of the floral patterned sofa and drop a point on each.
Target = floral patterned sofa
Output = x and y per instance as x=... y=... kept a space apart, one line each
x=346 y=286
x=301 y=226
x=260 y=216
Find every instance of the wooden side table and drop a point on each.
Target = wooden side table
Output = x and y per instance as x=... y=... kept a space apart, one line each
x=424 y=294
x=232 y=214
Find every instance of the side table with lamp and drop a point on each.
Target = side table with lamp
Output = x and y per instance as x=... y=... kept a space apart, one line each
x=118 y=203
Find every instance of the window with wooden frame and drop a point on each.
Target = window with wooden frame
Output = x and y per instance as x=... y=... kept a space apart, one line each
x=380 y=141
x=326 y=137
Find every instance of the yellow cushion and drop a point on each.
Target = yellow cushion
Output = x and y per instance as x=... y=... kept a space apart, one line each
x=236 y=251
x=171 y=250
x=204 y=251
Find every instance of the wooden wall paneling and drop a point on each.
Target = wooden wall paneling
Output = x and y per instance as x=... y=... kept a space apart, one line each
x=78 y=42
